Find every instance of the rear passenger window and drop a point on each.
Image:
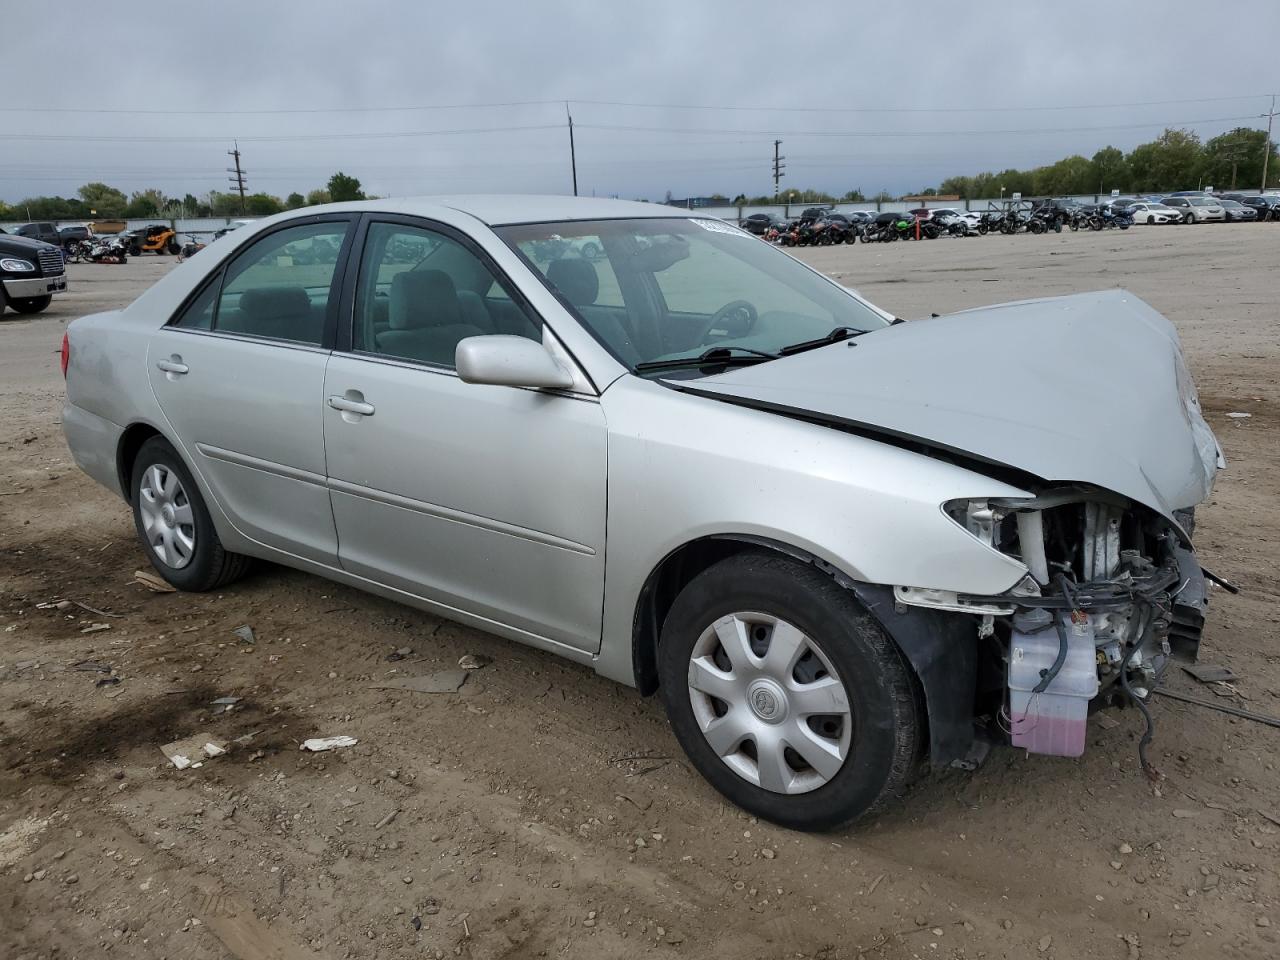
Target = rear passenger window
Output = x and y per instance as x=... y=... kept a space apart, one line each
x=280 y=286
x=420 y=292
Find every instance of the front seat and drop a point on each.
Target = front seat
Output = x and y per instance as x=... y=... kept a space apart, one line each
x=425 y=318
x=579 y=283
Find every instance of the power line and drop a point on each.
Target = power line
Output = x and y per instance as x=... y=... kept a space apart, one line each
x=403 y=134
x=915 y=133
x=889 y=110
x=751 y=108
x=389 y=134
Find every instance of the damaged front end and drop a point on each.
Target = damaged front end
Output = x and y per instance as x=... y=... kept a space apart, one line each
x=1113 y=591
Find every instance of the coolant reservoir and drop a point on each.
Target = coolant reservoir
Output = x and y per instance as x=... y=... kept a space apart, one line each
x=1054 y=720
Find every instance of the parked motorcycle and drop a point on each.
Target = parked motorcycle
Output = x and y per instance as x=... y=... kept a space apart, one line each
x=112 y=249
x=1107 y=218
x=1044 y=219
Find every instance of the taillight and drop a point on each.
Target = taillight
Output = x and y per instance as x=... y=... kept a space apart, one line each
x=66 y=354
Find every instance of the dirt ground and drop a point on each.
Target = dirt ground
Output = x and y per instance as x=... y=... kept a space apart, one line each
x=544 y=812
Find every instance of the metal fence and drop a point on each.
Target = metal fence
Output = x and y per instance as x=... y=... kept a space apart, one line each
x=194 y=226
x=199 y=226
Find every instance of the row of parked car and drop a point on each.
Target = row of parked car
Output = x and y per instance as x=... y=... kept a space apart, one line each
x=1189 y=206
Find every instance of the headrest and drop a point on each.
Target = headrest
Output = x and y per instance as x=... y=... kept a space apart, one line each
x=576 y=279
x=423 y=298
x=266 y=303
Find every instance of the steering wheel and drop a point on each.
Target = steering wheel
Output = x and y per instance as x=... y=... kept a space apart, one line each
x=738 y=315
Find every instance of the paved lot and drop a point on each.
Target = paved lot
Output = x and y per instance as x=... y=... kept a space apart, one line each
x=543 y=811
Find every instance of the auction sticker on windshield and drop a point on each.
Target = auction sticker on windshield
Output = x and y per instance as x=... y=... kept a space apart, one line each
x=715 y=226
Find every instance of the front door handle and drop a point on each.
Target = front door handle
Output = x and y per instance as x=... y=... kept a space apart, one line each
x=348 y=405
x=173 y=366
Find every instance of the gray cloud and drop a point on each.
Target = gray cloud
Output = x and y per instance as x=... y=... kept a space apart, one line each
x=215 y=64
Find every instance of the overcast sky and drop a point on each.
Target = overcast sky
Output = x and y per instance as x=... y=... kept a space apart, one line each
x=930 y=88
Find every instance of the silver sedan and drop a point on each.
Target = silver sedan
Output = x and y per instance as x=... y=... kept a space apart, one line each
x=841 y=547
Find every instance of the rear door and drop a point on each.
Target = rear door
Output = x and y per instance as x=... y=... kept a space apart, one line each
x=239 y=374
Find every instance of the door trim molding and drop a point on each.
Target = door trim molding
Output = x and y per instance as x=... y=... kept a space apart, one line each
x=254 y=463
x=458 y=516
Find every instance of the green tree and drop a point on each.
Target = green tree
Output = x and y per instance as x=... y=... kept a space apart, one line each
x=1068 y=176
x=1172 y=161
x=853 y=196
x=106 y=201
x=146 y=203
x=343 y=188
x=1109 y=170
x=317 y=197
x=262 y=204
x=1235 y=158
x=295 y=200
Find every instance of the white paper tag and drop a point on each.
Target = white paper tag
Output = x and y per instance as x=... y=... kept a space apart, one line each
x=719 y=226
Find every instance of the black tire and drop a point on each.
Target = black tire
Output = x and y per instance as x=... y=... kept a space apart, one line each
x=135 y=250
x=210 y=565
x=30 y=304
x=885 y=710
x=174 y=247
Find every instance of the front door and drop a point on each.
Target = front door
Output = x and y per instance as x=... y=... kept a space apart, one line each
x=485 y=499
x=239 y=375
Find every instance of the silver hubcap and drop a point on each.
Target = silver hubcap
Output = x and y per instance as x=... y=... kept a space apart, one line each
x=167 y=521
x=770 y=703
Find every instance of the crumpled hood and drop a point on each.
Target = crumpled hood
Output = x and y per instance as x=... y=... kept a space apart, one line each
x=1090 y=388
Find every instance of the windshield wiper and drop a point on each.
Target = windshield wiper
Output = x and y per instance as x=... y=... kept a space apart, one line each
x=712 y=357
x=835 y=336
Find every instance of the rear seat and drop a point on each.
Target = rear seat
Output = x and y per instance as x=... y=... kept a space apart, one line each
x=284 y=313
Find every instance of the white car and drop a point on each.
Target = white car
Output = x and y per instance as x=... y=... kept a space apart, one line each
x=1197 y=209
x=1144 y=212
x=834 y=546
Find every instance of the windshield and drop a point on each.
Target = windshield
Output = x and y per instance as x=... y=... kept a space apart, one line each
x=665 y=289
x=1201 y=201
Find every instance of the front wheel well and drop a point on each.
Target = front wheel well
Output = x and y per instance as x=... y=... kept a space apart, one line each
x=131 y=442
x=670 y=577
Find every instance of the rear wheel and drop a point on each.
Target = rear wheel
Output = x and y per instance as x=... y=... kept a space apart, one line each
x=174 y=525
x=787 y=695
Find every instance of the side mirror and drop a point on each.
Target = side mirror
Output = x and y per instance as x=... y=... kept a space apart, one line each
x=509 y=362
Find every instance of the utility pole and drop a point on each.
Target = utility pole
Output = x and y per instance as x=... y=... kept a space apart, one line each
x=1266 y=157
x=238 y=180
x=778 y=167
x=573 y=157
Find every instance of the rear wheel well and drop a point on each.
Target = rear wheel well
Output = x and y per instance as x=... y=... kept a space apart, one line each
x=131 y=442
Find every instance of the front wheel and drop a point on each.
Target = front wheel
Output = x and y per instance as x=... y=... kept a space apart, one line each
x=787 y=695
x=30 y=304
x=174 y=525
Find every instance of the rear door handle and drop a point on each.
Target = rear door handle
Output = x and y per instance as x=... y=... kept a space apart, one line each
x=347 y=405
x=173 y=365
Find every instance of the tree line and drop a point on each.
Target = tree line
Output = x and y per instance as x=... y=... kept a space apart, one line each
x=104 y=202
x=1175 y=160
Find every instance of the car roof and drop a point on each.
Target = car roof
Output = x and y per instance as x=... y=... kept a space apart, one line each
x=503 y=209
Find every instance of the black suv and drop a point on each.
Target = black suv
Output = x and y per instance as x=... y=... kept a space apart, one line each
x=31 y=272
